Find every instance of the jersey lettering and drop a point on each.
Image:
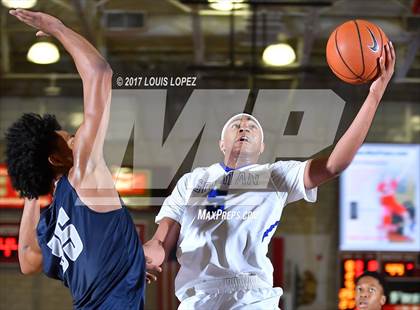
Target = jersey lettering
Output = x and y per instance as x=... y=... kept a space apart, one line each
x=66 y=240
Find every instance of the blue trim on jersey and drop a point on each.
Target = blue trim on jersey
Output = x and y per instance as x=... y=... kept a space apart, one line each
x=228 y=169
x=269 y=230
x=217 y=197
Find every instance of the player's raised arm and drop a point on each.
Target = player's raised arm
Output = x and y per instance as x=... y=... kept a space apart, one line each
x=29 y=252
x=320 y=170
x=96 y=76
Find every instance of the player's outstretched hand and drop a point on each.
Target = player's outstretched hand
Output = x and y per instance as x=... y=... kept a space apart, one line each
x=387 y=65
x=46 y=24
x=149 y=268
x=153 y=249
x=155 y=255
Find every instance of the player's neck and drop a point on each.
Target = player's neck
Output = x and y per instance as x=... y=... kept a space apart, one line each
x=239 y=161
x=59 y=172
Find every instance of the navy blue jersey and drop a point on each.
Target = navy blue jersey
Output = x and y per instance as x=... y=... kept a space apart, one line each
x=97 y=255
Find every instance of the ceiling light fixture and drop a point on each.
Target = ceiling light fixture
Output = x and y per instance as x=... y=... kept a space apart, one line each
x=22 y=4
x=281 y=54
x=43 y=53
x=227 y=5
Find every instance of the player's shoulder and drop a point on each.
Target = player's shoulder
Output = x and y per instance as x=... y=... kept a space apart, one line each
x=285 y=165
x=62 y=187
x=199 y=171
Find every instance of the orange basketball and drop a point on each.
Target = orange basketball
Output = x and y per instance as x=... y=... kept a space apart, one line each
x=353 y=51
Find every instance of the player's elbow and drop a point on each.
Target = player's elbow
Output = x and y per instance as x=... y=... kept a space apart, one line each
x=335 y=167
x=28 y=269
x=29 y=263
x=101 y=68
x=97 y=71
x=336 y=170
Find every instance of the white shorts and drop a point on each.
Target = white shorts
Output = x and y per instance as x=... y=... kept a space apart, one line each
x=242 y=292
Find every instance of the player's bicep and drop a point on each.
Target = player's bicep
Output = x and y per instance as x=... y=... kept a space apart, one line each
x=289 y=177
x=90 y=137
x=174 y=206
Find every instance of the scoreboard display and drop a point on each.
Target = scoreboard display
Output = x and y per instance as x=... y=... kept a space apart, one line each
x=9 y=236
x=401 y=271
x=380 y=223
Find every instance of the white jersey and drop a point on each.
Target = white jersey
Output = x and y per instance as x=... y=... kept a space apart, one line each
x=228 y=217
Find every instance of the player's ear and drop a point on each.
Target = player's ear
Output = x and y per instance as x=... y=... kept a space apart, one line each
x=222 y=146
x=262 y=148
x=383 y=300
x=55 y=160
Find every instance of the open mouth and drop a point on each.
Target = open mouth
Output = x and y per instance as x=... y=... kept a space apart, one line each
x=243 y=139
x=362 y=305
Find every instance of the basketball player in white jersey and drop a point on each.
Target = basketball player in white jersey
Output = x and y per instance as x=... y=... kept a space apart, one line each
x=222 y=217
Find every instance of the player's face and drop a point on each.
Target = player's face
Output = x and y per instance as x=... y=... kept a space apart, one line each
x=243 y=135
x=369 y=294
x=63 y=154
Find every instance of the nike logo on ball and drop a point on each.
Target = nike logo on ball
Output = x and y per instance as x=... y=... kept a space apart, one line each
x=374 y=46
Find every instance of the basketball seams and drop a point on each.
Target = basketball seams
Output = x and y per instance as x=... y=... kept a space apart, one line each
x=330 y=64
x=361 y=48
x=353 y=80
x=339 y=54
x=338 y=73
x=343 y=57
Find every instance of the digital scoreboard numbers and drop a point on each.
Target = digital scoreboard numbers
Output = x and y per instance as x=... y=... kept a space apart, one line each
x=402 y=275
x=9 y=236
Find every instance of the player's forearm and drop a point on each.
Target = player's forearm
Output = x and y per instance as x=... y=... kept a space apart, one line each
x=87 y=59
x=30 y=257
x=346 y=148
x=167 y=234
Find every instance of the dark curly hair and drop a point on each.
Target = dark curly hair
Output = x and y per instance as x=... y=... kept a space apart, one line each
x=29 y=142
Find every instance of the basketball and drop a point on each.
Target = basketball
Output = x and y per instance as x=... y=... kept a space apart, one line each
x=354 y=49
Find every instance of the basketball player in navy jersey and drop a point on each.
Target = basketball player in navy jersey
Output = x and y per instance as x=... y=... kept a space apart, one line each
x=86 y=238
